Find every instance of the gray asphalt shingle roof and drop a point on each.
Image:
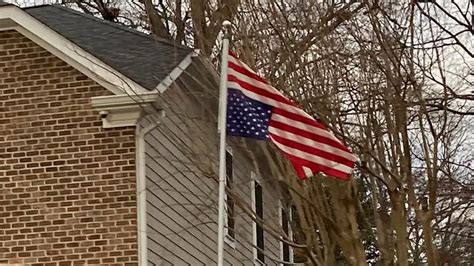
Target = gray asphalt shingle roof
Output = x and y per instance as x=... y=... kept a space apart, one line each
x=139 y=56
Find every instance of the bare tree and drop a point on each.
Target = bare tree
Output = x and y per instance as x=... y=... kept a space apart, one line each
x=378 y=73
x=392 y=79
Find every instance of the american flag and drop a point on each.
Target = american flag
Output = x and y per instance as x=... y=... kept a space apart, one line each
x=257 y=110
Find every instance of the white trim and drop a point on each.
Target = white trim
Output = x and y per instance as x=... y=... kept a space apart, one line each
x=280 y=222
x=253 y=180
x=176 y=72
x=290 y=234
x=141 y=197
x=290 y=231
x=116 y=101
x=121 y=110
x=227 y=238
x=67 y=51
x=140 y=154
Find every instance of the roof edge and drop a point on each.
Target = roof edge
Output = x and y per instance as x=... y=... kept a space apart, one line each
x=176 y=72
x=66 y=50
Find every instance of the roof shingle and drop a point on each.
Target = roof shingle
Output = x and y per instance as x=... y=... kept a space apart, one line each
x=139 y=56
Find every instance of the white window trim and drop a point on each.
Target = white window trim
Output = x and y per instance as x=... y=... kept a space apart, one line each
x=290 y=231
x=253 y=178
x=227 y=238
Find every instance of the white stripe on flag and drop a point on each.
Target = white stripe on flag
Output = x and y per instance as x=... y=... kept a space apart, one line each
x=240 y=63
x=311 y=143
x=254 y=82
x=257 y=97
x=307 y=171
x=313 y=158
x=303 y=126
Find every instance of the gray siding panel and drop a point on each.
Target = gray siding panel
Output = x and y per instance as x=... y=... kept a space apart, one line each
x=154 y=257
x=182 y=192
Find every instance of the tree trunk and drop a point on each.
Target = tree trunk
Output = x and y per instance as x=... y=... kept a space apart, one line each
x=428 y=238
x=399 y=220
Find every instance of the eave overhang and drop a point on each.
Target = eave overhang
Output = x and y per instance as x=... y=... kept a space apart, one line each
x=123 y=110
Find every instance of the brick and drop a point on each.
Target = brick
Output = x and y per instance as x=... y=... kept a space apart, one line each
x=68 y=179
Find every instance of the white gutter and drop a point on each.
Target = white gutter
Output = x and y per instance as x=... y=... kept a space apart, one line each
x=176 y=72
x=140 y=134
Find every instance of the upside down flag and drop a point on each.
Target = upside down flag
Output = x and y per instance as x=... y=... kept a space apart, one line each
x=257 y=110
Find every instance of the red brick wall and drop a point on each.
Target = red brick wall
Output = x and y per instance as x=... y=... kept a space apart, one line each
x=67 y=186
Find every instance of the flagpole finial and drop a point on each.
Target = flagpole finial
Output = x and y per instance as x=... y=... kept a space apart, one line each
x=226 y=27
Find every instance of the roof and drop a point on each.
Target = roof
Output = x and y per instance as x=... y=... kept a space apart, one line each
x=141 y=57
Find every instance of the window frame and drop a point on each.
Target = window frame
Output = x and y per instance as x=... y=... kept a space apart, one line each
x=256 y=251
x=289 y=233
x=229 y=236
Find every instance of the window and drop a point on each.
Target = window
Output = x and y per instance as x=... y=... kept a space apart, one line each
x=230 y=204
x=286 y=253
x=258 y=233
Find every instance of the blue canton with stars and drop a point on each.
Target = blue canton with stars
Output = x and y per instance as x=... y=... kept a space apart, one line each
x=247 y=117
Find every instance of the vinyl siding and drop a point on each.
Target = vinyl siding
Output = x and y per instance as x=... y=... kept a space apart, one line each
x=182 y=193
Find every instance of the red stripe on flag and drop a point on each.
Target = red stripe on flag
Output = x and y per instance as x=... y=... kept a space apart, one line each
x=299 y=118
x=258 y=90
x=298 y=163
x=308 y=135
x=242 y=70
x=314 y=151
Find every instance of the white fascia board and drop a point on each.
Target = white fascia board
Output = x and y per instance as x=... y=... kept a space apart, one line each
x=117 y=101
x=176 y=72
x=12 y=17
x=122 y=110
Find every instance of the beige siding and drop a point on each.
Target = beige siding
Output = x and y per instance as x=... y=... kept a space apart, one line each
x=181 y=188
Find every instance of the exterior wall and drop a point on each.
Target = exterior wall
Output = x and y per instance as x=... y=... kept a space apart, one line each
x=67 y=186
x=182 y=191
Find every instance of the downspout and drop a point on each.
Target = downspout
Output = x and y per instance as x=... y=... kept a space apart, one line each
x=140 y=134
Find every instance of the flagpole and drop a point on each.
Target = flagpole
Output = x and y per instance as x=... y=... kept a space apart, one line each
x=221 y=127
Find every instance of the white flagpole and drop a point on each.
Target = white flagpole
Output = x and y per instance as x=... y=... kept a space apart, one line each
x=222 y=143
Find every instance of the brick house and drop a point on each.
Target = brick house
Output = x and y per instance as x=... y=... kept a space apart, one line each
x=107 y=149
